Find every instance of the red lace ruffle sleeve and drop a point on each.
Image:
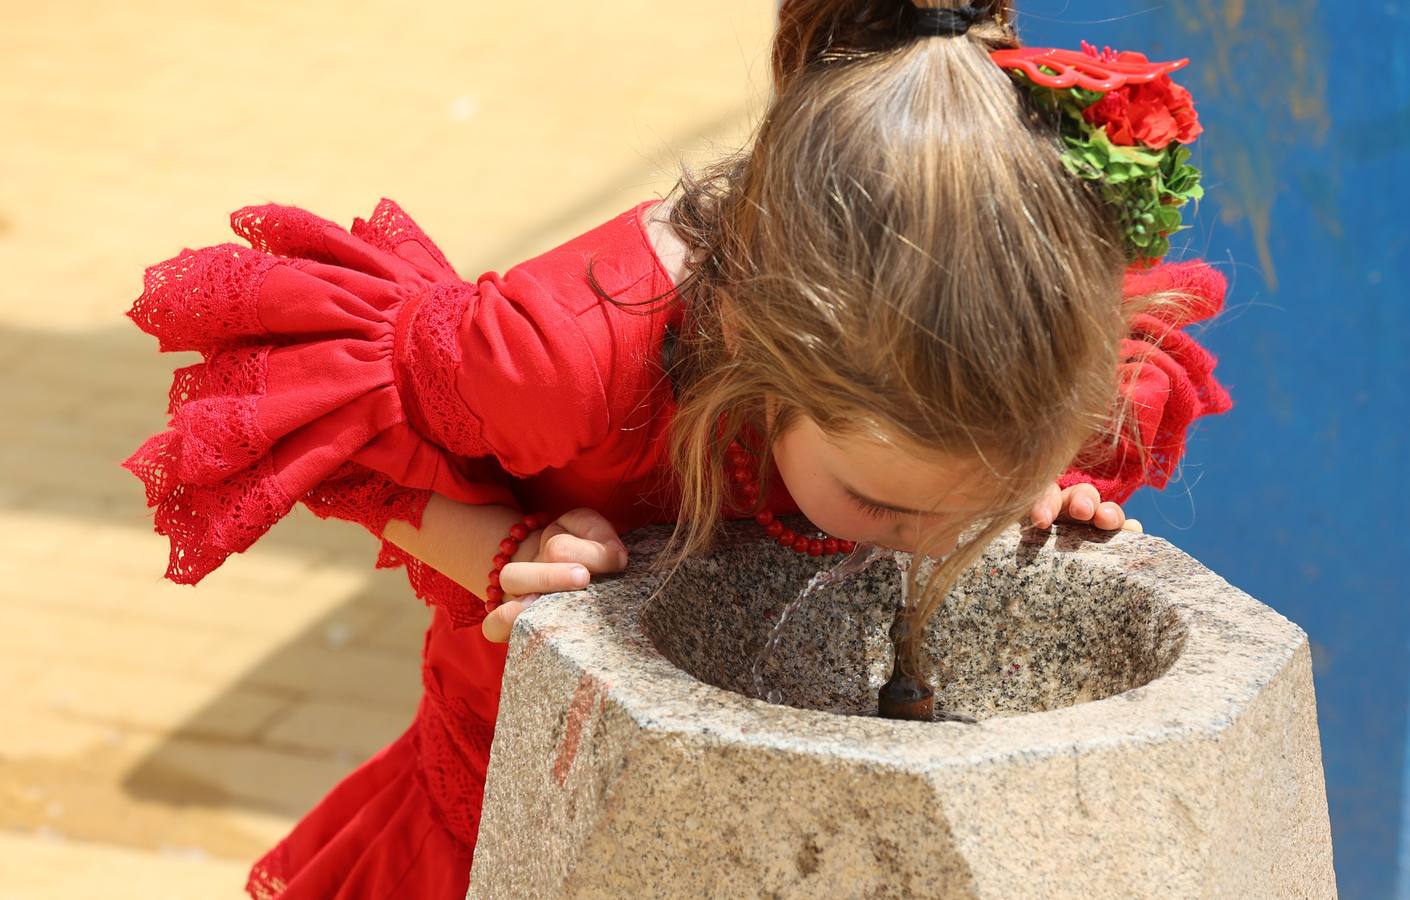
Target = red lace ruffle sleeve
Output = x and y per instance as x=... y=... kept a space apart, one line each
x=1167 y=376
x=355 y=371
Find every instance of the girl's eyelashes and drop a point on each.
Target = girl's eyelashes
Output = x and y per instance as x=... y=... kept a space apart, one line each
x=872 y=509
x=875 y=510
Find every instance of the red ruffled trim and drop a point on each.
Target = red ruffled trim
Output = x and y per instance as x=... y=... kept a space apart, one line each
x=1169 y=379
x=329 y=361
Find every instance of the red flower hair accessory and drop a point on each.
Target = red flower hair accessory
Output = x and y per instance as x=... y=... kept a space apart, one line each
x=1124 y=124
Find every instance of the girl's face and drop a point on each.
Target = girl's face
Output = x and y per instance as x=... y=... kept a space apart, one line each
x=868 y=492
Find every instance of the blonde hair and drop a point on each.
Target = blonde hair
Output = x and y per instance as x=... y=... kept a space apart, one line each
x=899 y=255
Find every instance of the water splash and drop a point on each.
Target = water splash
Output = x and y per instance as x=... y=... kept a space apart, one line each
x=856 y=561
x=903 y=564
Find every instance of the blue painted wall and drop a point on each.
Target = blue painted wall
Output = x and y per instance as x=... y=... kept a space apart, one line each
x=1298 y=495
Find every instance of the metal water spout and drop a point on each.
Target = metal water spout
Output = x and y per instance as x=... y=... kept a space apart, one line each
x=905 y=695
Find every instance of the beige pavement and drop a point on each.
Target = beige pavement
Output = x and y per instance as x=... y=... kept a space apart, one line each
x=157 y=738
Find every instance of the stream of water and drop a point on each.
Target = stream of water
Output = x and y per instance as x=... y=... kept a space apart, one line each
x=860 y=558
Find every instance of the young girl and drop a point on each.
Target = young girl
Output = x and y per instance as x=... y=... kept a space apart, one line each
x=905 y=310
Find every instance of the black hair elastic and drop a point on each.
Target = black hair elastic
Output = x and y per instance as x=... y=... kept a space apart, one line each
x=933 y=21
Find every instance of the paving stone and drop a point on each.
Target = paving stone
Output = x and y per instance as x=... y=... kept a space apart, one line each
x=346 y=673
x=49 y=866
x=188 y=770
x=65 y=637
x=345 y=729
x=155 y=701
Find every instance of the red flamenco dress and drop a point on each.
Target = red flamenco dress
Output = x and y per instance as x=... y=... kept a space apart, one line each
x=354 y=371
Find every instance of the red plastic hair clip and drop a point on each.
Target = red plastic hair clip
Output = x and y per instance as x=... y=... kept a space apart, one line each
x=1087 y=69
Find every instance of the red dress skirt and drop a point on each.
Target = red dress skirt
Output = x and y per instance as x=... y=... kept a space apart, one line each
x=403 y=825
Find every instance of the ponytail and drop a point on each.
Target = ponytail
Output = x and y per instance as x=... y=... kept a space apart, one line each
x=823 y=31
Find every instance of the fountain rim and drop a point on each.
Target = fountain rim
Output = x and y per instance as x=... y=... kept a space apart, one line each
x=1210 y=682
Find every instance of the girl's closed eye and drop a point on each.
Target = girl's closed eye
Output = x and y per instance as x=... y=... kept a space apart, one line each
x=874 y=510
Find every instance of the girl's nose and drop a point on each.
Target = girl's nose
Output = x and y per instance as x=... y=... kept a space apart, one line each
x=907 y=536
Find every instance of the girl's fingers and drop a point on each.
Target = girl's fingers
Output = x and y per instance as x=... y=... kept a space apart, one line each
x=1080 y=502
x=1045 y=511
x=1109 y=516
x=499 y=623
x=567 y=548
x=542 y=577
x=571 y=548
x=590 y=525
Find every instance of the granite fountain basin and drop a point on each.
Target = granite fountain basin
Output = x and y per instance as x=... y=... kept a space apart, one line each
x=1145 y=730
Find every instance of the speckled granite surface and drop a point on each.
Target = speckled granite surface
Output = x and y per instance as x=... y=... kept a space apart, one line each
x=1146 y=730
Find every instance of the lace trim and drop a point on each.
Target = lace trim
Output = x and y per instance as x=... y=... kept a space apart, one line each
x=284 y=231
x=206 y=523
x=1113 y=463
x=204 y=299
x=357 y=494
x=462 y=607
x=453 y=748
x=268 y=877
x=431 y=356
x=210 y=476
x=389 y=227
x=213 y=406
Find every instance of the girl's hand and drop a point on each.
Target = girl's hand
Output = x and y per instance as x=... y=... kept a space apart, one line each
x=560 y=557
x=1080 y=503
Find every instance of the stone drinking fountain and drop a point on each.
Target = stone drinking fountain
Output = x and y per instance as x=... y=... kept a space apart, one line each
x=1144 y=730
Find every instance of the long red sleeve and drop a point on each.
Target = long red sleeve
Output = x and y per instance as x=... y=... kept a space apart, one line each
x=1167 y=377
x=353 y=371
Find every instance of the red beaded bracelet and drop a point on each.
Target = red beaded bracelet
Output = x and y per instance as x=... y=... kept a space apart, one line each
x=507 y=548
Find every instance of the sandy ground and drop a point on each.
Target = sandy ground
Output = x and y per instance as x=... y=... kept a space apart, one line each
x=157 y=738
